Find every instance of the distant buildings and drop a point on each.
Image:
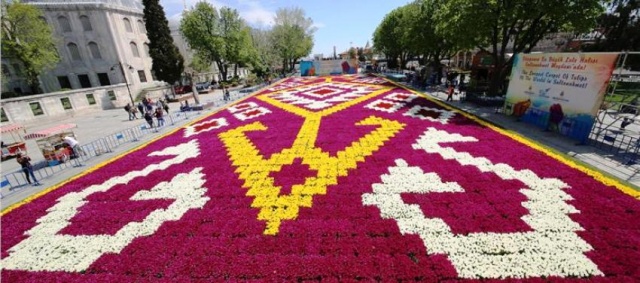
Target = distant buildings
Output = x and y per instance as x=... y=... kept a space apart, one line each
x=93 y=37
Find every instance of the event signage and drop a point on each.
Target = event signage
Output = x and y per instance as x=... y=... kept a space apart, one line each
x=560 y=91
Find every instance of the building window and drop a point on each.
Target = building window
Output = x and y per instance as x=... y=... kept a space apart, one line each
x=112 y=95
x=64 y=82
x=95 y=50
x=43 y=19
x=74 y=51
x=141 y=27
x=84 y=81
x=127 y=25
x=5 y=70
x=104 y=79
x=146 y=50
x=143 y=76
x=3 y=116
x=17 y=69
x=86 y=23
x=134 y=49
x=66 y=103
x=91 y=99
x=64 y=24
x=36 y=108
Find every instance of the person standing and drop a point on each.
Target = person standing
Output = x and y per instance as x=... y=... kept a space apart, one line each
x=159 y=116
x=141 y=108
x=74 y=144
x=450 y=93
x=149 y=118
x=131 y=111
x=165 y=105
x=25 y=162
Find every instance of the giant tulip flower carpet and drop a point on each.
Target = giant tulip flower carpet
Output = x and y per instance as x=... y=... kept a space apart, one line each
x=346 y=178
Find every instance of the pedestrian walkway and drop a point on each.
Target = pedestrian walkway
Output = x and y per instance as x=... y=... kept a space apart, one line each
x=102 y=135
x=598 y=159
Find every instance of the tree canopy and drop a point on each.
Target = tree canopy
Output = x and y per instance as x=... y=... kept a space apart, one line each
x=292 y=36
x=168 y=63
x=219 y=37
x=514 y=25
x=27 y=37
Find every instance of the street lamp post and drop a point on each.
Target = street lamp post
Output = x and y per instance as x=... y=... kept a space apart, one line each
x=125 y=79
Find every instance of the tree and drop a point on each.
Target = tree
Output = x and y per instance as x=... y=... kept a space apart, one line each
x=619 y=30
x=198 y=64
x=514 y=25
x=27 y=37
x=430 y=44
x=168 y=64
x=389 y=37
x=292 y=36
x=219 y=37
x=266 y=59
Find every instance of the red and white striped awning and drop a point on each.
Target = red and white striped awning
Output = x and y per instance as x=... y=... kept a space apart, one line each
x=11 y=128
x=49 y=132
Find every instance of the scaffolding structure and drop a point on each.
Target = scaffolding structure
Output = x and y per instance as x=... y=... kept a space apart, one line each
x=616 y=128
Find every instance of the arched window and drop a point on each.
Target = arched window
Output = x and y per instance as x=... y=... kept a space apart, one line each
x=141 y=27
x=86 y=23
x=64 y=24
x=146 y=50
x=43 y=19
x=95 y=50
x=127 y=25
x=134 y=49
x=5 y=70
x=74 y=51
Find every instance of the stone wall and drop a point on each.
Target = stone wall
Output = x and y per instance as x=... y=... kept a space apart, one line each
x=56 y=105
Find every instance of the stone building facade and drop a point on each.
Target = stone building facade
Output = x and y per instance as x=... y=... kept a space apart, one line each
x=94 y=38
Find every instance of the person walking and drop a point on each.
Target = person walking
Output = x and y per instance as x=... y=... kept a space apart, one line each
x=450 y=93
x=25 y=162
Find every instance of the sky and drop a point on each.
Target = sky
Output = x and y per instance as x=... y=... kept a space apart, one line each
x=341 y=24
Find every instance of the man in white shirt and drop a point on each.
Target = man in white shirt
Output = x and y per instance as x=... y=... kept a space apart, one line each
x=74 y=144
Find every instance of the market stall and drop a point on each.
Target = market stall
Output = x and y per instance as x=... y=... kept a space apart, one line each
x=11 y=147
x=51 y=143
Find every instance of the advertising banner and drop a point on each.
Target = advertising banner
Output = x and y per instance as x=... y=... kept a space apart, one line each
x=329 y=67
x=560 y=91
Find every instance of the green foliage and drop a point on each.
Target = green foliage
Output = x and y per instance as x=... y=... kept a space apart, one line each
x=620 y=30
x=515 y=25
x=219 y=37
x=28 y=38
x=266 y=58
x=168 y=63
x=291 y=36
x=198 y=64
x=386 y=37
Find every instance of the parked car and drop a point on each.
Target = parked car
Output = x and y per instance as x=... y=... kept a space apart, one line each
x=203 y=87
x=182 y=89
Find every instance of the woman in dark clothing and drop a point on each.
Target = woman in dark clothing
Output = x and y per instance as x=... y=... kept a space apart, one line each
x=25 y=162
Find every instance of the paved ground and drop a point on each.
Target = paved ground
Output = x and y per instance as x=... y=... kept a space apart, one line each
x=110 y=121
x=91 y=126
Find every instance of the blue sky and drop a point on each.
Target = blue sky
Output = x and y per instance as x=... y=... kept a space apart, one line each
x=339 y=23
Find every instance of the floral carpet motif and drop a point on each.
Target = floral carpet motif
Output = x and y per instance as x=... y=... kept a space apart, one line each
x=346 y=178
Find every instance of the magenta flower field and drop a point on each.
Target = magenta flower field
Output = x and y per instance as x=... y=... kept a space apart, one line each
x=345 y=178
